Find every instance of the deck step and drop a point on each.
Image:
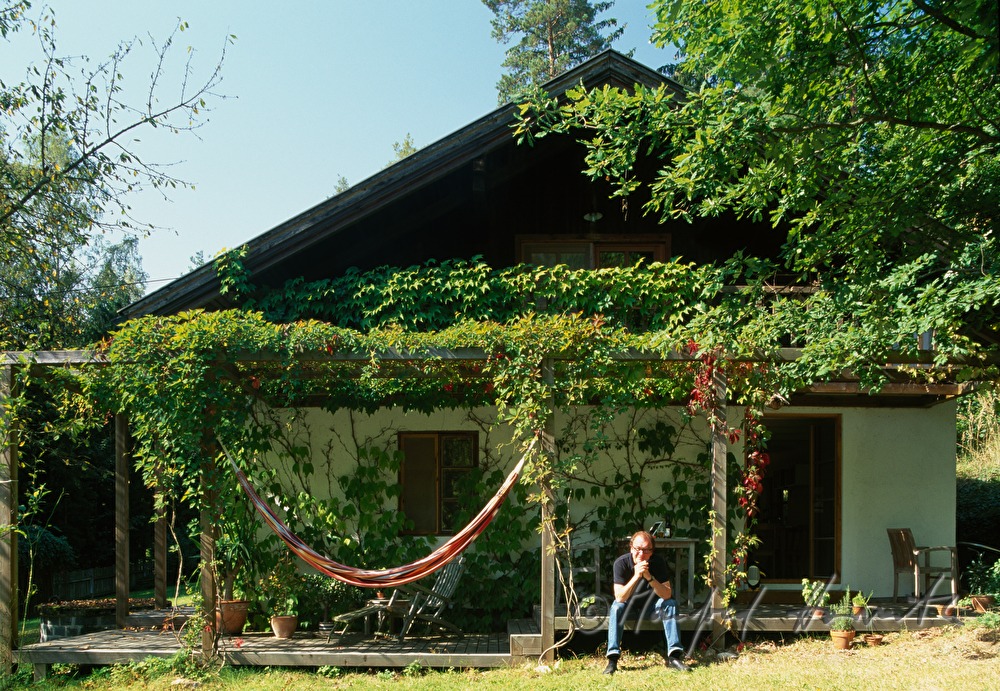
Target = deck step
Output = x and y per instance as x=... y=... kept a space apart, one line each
x=525 y=638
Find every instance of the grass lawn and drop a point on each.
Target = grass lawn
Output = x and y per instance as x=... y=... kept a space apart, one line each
x=943 y=658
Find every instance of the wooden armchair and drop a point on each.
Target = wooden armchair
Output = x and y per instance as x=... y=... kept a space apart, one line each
x=910 y=558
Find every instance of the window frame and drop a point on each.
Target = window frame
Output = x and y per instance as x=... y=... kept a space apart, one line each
x=442 y=474
x=657 y=243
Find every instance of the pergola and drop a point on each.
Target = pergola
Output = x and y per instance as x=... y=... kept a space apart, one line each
x=846 y=385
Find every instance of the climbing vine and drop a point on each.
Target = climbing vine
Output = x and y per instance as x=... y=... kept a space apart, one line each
x=526 y=342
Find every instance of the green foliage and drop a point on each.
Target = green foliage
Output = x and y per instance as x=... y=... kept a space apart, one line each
x=414 y=669
x=552 y=36
x=247 y=381
x=140 y=672
x=836 y=126
x=990 y=621
x=323 y=595
x=401 y=150
x=67 y=165
x=978 y=469
x=842 y=620
x=982 y=576
x=860 y=599
x=815 y=593
x=282 y=586
x=329 y=671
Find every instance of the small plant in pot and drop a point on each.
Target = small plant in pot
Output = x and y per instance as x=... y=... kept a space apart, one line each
x=859 y=603
x=842 y=629
x=983 y=579
x=282 y=587
x=816 y=596
x=322 y=597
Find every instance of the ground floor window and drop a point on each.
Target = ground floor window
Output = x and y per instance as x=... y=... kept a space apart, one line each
x=433 y=465
x=799 y=519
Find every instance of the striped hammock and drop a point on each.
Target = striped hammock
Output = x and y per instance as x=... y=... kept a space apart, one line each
x=383 y=578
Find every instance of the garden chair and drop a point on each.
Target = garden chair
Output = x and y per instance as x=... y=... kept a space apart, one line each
x=413 y=602
x=910 y=558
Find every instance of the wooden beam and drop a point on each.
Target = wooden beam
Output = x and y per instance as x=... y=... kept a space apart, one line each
x=8 y=519
x=123 y=459
x=719 y=489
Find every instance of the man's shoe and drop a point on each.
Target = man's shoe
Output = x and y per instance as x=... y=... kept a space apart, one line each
x=678 y=664
x=612 y=665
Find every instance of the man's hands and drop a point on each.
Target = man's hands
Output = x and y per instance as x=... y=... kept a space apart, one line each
x=642 y=569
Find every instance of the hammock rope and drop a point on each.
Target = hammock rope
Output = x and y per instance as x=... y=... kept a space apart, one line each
x=395 y=576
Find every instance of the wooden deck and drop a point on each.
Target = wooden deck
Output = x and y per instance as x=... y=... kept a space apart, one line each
x=522 y=641
x=303 y=649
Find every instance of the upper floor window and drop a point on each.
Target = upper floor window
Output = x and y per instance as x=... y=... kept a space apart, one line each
x=592 y=252
x=433 y=465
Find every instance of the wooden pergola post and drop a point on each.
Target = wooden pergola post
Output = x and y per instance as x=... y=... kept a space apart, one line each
x=548 y=613
x=8 y=518
x=719 y=489
x=160 y=550
x=123 y=459
x=209 y=510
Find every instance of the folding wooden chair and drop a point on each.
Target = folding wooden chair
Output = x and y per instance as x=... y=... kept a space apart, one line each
x=414 y=602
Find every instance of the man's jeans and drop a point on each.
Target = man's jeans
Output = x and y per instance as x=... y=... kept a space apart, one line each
x=664 y=610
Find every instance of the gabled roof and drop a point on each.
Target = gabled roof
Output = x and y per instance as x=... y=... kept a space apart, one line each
x=200 y=288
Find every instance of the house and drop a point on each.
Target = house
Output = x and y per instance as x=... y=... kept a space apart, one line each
x=845 y=463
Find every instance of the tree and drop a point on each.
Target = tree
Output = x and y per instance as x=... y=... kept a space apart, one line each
x=68 y=162
x=867 y=133
x=67 y=168
x=403 y=149
x=64 y=289
x=553 y=36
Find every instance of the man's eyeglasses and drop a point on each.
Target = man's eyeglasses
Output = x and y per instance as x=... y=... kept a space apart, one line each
x=637 y=548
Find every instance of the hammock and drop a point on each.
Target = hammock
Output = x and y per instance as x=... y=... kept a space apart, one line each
x=384 y=578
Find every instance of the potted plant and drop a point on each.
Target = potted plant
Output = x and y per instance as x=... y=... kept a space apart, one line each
x=815 y=595
x=842 y=629
x=859 y=603
x=282 y=586
x=323 y=595
x=983 y=579
x=234 y=561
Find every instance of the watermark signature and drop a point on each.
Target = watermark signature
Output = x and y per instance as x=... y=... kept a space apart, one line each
x=592 y=616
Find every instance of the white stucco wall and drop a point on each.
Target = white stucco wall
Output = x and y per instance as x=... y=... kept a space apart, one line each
x=897 y=470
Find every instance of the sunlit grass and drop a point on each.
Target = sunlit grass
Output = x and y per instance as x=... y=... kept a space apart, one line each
x=946 y=658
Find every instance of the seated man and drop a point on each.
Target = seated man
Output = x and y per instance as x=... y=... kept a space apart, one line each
x=640 y=576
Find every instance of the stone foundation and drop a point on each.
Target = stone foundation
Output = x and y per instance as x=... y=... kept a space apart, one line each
x=74 y=623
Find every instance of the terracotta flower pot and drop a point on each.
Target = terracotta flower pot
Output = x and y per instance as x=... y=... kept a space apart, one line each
x=873 y=639
x=284 y=625
x=982 y=603
x=231 y=616
x=842 y=639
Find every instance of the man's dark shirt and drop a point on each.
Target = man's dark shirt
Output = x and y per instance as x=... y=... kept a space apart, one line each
x=624 y=569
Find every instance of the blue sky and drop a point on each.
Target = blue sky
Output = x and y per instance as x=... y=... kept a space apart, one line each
x=315 y=90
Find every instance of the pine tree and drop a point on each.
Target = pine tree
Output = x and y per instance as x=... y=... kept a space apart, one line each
x=553 y=36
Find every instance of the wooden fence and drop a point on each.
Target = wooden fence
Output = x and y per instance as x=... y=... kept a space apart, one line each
x=99 y=581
